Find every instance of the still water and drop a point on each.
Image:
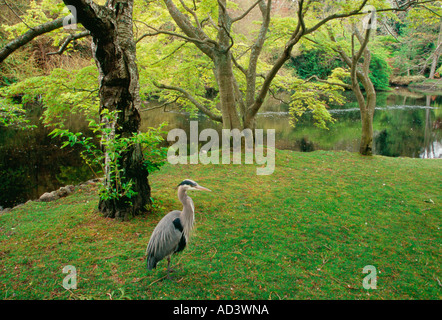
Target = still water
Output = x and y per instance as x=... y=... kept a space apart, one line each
x=406 y=124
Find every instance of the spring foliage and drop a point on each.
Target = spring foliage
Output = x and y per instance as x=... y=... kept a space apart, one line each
x=317 y=97
x=116 y=146
x=173 y=61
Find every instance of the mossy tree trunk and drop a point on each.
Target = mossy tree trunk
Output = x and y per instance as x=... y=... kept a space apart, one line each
x=114 y=51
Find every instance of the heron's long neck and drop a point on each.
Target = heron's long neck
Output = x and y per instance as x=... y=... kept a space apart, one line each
x=187 y=216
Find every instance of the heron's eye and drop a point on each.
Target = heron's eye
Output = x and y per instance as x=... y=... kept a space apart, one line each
x=188 y=182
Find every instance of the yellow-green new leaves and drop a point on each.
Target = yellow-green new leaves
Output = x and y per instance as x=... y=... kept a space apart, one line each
x=62 y=93
x=12 y=115
x=425 y=15
x=38 y=13
x=316 y=97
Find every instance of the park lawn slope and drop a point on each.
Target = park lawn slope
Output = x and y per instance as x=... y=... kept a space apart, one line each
x=304 y=232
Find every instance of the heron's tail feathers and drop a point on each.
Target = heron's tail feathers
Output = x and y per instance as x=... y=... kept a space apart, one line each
x=151 y=262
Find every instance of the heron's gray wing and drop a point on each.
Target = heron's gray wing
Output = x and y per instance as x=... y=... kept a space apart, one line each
x=165 y=238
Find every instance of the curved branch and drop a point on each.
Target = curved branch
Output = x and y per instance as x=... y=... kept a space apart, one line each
x=246 y=12
x=222 y=6
x=29 y=36
x=238 y=66
x=232 y=42
x=174 y=34
x=68 y=40
x=192 y=12
x=343 y=85
x=163 y=105
x=338 y=16
x=192 y=99
x=16 y=14
x=169 y=55
x=364 y=43
x=301 y=15
x=86 y=14
x=190 y=31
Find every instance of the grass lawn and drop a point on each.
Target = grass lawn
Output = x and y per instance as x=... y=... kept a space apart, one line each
x=305 y=232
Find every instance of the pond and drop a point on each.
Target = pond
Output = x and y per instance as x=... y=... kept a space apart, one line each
x=406 y=124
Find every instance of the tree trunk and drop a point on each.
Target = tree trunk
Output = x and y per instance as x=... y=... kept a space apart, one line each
x=226 y=81
x=224 y=70
x=114 y=51
x=366 y=105
x=366 y=146
x=436 y=54
x=362 y=73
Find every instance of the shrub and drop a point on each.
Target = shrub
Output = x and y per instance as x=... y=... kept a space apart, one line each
x=115 y=145
x=380 y=72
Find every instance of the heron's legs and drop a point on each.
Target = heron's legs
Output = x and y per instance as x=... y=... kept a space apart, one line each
x=168 y=267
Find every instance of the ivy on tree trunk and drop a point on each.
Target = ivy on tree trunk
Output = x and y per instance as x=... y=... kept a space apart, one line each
x=114 y=50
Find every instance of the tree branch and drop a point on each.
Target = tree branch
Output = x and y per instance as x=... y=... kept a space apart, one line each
x=337 y=16
x=190 y=31
x=16 y=14
x=174 y=34
x=343 y=85
x=359 y=11
x=277 y=98
x=285 y=55
x=237 y=65
x=68 y=40
x=192 y=99
x=223 y=7
x=301 y=16
x=364 y=43
x=212 y=23
x=30 y=35
x=192 y=12
x=163 y=105
x=246 y=12
x=432 y=11
x=170 y=54
x=389 y=31
x=232 y=42
x=256 y=50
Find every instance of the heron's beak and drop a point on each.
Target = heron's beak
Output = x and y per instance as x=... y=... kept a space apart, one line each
x=202 y=188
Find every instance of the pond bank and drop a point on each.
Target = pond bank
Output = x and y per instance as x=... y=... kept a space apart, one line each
x=54 y=195
x=406 y=123
x=429 y=86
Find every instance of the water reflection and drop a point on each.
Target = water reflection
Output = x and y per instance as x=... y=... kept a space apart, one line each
x=32 y=163
x=405 y=124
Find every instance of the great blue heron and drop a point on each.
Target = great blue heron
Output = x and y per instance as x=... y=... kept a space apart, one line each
x=173 y=231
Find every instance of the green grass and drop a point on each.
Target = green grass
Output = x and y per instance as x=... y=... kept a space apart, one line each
x=305 y=232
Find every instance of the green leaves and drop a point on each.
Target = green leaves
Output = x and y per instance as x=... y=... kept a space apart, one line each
x=62 y=92
x=12 y=115
x=316 y=97
x=115 y=147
